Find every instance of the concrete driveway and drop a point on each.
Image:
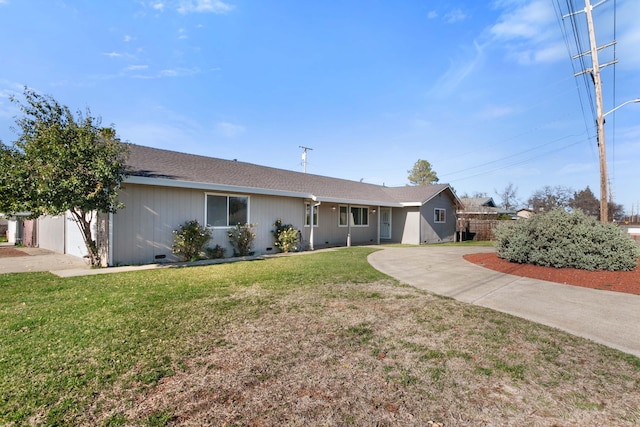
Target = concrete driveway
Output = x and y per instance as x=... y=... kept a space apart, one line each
x=36 y=259
x=609 y=318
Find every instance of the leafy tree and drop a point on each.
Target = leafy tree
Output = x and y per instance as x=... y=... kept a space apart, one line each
x=586 y=202
x=61 y=162
x=616 y=211
x=548 y=198
x=422 y=173
x=509 y=197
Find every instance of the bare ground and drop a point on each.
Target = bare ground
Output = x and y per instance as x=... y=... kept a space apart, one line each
x=383 y=354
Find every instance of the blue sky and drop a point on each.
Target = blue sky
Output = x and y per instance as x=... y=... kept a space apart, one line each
x=482 y=90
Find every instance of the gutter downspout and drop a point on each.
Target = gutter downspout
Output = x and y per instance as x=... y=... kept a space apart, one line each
x=349 y=221
x=312 y=205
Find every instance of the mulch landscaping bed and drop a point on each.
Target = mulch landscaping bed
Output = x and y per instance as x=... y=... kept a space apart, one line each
x=619 y=281
x=11 y=252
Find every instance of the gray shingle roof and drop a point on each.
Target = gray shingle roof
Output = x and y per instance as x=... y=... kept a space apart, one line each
x=150 y=162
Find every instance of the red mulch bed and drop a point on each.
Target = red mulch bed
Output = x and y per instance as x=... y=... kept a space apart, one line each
x=11 y=252
x=619 y=281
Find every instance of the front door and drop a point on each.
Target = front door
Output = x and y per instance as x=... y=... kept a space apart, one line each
x=385 y=223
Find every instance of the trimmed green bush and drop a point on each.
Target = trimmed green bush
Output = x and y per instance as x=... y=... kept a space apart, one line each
x=561 y=239
x=189 y=241
x=286 y=236
x=241 y=238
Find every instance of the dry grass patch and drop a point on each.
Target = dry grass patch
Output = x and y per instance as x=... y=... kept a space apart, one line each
x=383 y=354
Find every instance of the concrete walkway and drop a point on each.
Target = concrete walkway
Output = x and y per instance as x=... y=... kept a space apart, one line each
x=609 y=318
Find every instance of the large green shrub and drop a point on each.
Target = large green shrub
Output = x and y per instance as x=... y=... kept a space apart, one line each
x=286 y=236
x=189 y=241
x=241 y=238
x=561 y=239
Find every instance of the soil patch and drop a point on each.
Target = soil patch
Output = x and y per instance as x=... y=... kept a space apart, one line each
x=618 y=281
x=11 y=252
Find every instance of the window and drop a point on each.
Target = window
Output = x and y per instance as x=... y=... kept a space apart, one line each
x=360 y=216
x=307 y=215
x=342 y=217
x=440 y=215
x=226 y=211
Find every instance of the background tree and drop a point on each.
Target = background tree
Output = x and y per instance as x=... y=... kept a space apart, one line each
x=9 y=184
x=422 y=173
x=548 y=197
x=509 y=197
x=586 y=201
x=61 y=163
x=616 y=211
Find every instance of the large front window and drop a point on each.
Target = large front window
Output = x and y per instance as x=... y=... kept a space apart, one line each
x=227 y=211
x=360 y=216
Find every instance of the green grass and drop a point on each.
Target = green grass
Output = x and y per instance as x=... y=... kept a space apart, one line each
x=65 y=340
x=291 y=340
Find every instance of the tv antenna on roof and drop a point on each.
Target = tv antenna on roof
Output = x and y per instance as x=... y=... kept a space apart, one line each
x=304 y=156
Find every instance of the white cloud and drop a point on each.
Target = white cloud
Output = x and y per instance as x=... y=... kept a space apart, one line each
x=433 y=14
x=182 y=34
x=136 y=67
x=529 y=32
x=113 y=54
x=127 y=38
x=203 y=6
x=458 y=72
x=530 y=21
x=495 y=112
x=455 y=15
x=178 y=72
x=229 y=130
x=158 y=6
x=628 y=36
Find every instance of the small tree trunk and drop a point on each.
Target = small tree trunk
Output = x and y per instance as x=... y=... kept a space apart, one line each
x=84 y=225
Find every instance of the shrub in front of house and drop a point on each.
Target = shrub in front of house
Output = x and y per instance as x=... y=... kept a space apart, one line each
x=286 y=236
x=189 y=241
x=241 y=238
x=561 y=239
x=215 y=252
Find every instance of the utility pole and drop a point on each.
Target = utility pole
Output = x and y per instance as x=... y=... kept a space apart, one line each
x=304 y=156
x=595 y=74
x=604 y=205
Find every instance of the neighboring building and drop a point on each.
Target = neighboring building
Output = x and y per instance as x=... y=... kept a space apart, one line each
x=166 y=188
x=479 y=208
x=524 y=213
x=479 y=217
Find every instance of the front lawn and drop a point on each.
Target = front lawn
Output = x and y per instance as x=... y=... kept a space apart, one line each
x=301 y=340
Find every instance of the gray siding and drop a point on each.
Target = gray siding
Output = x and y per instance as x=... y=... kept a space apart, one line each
x=263 y=212
x=144 y=228
x=436 y=232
